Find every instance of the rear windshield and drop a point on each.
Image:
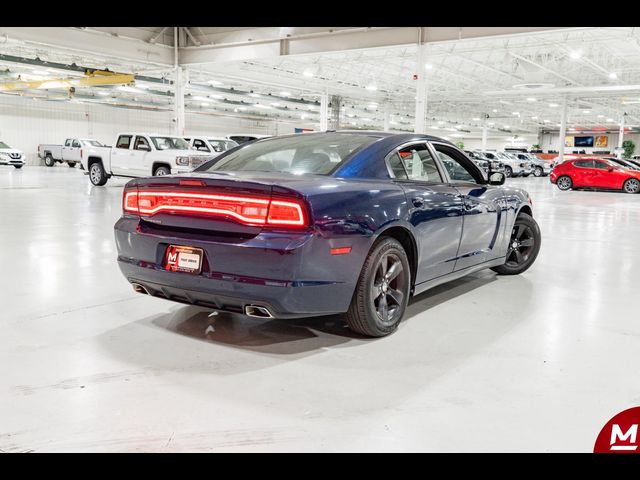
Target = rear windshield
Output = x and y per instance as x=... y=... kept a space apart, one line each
x=306 y=153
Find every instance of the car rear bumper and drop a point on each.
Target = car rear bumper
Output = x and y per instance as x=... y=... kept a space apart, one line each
x=290 y=274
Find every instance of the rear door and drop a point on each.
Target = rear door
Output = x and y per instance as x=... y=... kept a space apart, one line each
x=121 y=156
x=65 y=151
x=435 y=209
x=482 y=221
x=584 y=174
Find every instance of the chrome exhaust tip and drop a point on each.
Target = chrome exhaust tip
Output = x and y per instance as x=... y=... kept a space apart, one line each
x=257 y=311
x=140 y=289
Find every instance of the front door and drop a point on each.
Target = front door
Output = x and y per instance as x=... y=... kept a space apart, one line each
x=435 y=209
x=481 y=227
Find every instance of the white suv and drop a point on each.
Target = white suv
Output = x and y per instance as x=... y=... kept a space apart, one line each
x=11 y=156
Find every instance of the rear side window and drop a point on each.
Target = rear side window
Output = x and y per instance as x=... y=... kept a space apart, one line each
x=584 y=163
x=124 y=141
x=418 y=164
x=67 y=143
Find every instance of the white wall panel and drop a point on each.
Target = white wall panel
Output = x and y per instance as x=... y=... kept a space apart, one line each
x=26 y=123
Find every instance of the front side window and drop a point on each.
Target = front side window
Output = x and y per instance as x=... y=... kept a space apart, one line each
x=602 y=165
x=200 y=145
x=75 y=144
x=170 y=143
x=142 y=144
x=459 y=170
x=124 y=141
x=303 y=154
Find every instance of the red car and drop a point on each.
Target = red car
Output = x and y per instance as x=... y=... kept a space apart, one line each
x=595 y=173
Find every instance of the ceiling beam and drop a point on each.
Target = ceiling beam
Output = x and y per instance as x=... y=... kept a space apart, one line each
x=91 y=42
x=339 y=40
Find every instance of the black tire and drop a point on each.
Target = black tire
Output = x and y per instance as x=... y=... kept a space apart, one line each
x=524 y=246
x=49 y=161
x=379 y=302
x=18 y=166
x=631 y=185
x=526 y=174
x=508 y=171
x=71 y=164
x=538 y=172
x=564 y=182
x=161 y=171
x=97 y=175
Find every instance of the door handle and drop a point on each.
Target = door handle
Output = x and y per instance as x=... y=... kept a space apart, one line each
x=417 y=202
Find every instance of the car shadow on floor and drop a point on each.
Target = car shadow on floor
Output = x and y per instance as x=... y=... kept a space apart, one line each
x=299 y=335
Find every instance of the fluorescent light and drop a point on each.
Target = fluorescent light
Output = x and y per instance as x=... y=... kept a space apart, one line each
x=491 y=124
x=303 y=116
x=275 y=104
x=476 y=119
x=285 y=94
x=495 y=110
x=214 y=82
x=553 y=105
x=516 y=113
x=534 y=118
x=531 y=99
x=254 y=94
x=311 y=107
x=506 y=126
x=441 y=122
x=217 y=97
x=547 y=121
x=308 y=73
x=435 y=127
x=103 y=92
x=575 y=54
x=372 y=105
x=371 y=88
x=558 y=124
x=613 y=75
x=204 y=104
x=428 y=66
x=143 y=87
x=610 y=120
x=600 y=116
x=586 y=112
x=258 y=105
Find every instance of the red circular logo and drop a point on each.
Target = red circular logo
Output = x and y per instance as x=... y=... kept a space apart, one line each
x=620 y=434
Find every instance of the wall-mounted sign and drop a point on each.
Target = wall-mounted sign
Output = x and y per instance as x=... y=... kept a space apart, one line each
x=568 y=141
x=602 y=141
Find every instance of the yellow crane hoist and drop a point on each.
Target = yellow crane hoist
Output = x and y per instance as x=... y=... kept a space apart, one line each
x=91 y=79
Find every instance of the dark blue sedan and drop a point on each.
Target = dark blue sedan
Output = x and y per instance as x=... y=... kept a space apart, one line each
x=323 y=223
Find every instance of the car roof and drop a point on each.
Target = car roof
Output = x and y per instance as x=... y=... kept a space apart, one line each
x=399 y=137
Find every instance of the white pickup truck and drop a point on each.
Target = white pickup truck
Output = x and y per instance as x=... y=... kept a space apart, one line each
x=141 y=155
x=212 y=145
x=70 y=153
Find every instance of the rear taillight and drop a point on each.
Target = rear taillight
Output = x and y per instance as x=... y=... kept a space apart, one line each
x=248 y=210
x=80 y=154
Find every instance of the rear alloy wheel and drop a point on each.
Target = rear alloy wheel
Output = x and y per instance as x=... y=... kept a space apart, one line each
x=632 y=185
x=524 y=246
x=508 y=172
x=382 y=292
x=537 y=172
x=161 y=171
x=49 y=161
x=564 y=182
x=97 y=175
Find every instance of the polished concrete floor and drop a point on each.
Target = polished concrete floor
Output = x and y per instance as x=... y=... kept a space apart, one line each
x=534 y=362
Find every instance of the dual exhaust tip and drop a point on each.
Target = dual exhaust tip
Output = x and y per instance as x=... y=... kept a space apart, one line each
x=255 y=311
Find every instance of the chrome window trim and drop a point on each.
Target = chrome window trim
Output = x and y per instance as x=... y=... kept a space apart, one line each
x=402 y=147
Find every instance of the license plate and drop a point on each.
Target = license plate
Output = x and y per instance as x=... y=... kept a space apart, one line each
x=183 y=259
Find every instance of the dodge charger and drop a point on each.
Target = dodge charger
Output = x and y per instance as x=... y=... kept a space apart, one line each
x=341 y=222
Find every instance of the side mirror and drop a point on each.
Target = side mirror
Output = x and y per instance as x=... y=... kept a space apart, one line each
x=497 y=178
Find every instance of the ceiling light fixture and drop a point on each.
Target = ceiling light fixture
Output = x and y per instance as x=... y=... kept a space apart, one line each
x=285 y=94
x=575 y=54
x=531 y=99
x=613 y=75
x=371 y=87
x=428 y=66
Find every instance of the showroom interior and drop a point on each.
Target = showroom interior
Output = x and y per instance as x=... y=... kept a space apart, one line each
x=91 y=364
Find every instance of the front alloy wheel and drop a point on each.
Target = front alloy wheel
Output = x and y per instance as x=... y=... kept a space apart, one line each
x=523 y=248
x=538 y=172
x=632 y=185
x=382 y=292
x=508 y=172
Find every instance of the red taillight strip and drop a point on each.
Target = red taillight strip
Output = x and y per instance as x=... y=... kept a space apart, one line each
x=265 y=212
